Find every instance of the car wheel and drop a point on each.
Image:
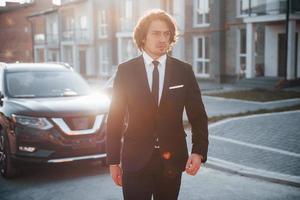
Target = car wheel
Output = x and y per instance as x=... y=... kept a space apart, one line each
x=7 y=167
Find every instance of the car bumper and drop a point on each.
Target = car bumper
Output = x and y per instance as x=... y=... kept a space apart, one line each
x=56 y=147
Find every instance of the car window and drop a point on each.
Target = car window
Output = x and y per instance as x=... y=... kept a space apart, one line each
x=45 y=84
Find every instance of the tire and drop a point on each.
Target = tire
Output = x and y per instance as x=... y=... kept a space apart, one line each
x=7 y=166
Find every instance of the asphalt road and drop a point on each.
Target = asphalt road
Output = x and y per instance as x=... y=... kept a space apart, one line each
x=91 y=181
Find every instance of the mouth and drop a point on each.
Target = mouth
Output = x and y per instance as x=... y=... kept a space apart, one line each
x=162 y=47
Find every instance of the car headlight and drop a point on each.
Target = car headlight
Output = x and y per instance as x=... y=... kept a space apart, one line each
x=33 y=122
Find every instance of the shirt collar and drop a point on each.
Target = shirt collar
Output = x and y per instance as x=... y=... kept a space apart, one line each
x=148 y=60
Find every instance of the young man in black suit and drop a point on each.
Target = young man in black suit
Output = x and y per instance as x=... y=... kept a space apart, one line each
x=149 y=156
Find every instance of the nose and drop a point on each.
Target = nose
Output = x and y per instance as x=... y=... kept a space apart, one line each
x=163 y=38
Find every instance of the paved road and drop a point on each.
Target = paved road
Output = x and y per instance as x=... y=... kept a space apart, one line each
x=89 y=181
x=268 y=141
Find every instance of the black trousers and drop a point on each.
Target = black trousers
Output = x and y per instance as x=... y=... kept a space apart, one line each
x=154 y=180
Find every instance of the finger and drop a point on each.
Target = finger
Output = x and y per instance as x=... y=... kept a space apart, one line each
x=188 y=163
x=115 y=179
x=194 y=172
x=119 y=180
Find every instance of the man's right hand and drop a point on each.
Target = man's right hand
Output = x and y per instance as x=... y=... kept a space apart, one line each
x=116 y=174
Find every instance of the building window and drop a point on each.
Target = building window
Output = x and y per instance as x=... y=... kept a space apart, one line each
x=104 y=67
x=126 y=21
x=243 y=8
x=201 y=13
x=201 y=56
x=126 y=48
x=39 y=30
x=52 y=56
x=68 y=26
x=39 y=55
x=242 y=53
x=102 y=24
x=52 y=30
x=68 y=55
x=82 y=33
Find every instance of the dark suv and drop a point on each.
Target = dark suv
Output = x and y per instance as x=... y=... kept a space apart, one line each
x=48 y=114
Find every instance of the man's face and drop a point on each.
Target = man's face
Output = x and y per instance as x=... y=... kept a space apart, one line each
x=157 y=40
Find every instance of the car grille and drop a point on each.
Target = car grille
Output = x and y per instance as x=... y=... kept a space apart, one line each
x=80 y=123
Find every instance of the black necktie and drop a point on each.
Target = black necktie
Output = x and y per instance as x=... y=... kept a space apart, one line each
x=155 y=81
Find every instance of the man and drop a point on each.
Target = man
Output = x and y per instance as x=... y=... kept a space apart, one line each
x=148 y=156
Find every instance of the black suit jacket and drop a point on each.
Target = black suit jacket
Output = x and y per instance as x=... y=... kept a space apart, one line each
x=131 y=93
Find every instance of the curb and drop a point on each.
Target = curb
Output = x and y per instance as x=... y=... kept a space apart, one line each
x=222 y=165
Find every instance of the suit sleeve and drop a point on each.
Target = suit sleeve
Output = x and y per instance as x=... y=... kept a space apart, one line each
x=197 y=116
x=115 y=120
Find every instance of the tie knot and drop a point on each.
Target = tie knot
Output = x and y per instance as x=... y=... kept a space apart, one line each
x=155 y=63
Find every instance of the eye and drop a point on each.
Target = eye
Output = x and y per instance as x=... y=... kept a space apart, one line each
x=155 y=33
x=167 y=34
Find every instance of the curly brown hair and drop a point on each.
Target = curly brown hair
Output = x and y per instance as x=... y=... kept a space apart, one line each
x=141 y=28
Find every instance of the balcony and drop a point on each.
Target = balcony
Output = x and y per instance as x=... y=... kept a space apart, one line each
x=68 y=35
x=82 y=35
x=39 y=39
x=252 y=8
x=52 y=39
x=77 y=35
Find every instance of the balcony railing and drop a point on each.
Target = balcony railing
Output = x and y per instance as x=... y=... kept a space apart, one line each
x=275 y=7
x=79 y=35
x=52 y=38
x=39 y=38
x=68 y=34
x=82 y=35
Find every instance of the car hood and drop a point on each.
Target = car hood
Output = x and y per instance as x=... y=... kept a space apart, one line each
x=60 y=106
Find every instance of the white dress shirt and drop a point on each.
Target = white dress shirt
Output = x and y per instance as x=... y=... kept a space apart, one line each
x=161 y=70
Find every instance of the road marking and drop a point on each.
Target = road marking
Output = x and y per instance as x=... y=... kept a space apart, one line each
x=288 y=153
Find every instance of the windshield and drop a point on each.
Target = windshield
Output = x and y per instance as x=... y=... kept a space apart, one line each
x=34 y=84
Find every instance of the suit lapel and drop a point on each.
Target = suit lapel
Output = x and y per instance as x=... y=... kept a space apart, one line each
x=143 y=81
x=168 y=75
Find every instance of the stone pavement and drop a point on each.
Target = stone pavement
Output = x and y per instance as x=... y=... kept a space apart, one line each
x=264 y=146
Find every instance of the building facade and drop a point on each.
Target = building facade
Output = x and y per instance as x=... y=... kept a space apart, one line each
x=230 y=40
x=225 y=41
x=16 y=42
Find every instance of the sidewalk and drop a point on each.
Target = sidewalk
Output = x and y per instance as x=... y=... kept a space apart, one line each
x=264 y=146
x=217 y=106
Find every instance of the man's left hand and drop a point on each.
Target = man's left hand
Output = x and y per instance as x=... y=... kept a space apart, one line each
x=193 y=164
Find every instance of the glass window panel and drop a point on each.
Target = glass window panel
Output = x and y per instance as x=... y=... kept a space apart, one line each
x=243 y=41
x=199 y=19
x=199 y=67
x=244 y=7
x=83 y=22
x=201 y=11
x=243 y=62
x=206 y=68
x=200 y=53
x=206 y=46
